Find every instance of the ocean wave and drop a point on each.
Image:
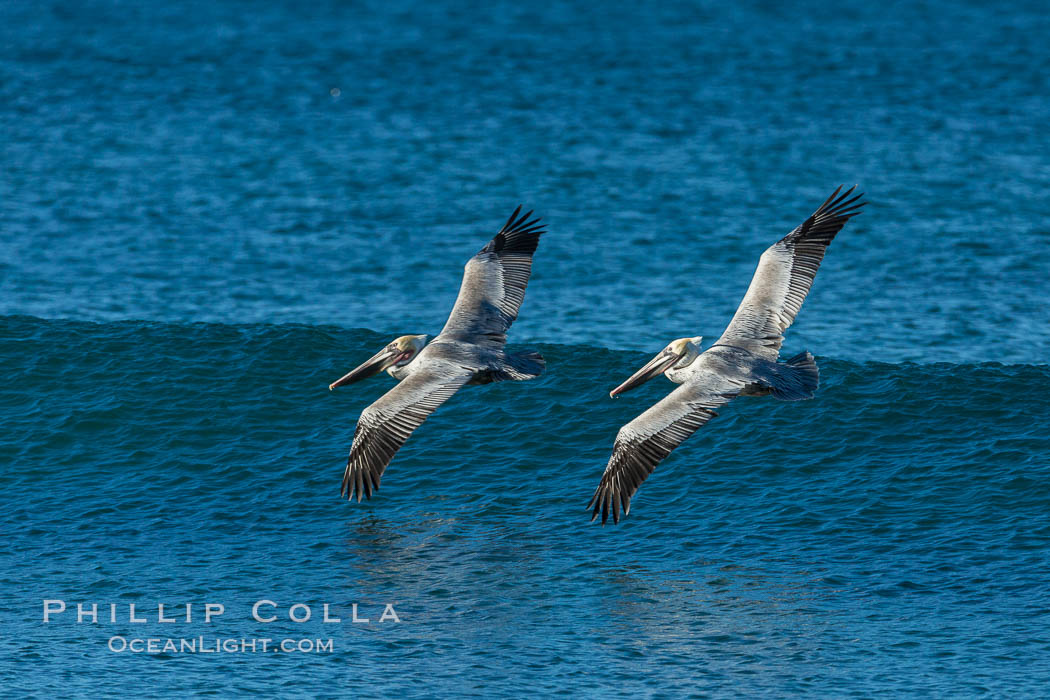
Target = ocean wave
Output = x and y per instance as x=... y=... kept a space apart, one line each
x=146 y=460
x=140 y=391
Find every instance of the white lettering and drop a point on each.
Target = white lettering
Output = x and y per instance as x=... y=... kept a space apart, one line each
x=82 y=613
x=213 y=609
x=389 y=614
x=255 y=610
x=160 y=614
x=49 y=607
x=327 y=618
x=291 y=612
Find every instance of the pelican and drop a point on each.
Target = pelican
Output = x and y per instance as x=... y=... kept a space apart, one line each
x=468 y=350
x=743 y=362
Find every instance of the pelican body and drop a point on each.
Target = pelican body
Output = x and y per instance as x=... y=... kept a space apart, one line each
x=470 y=349
x=742 y=362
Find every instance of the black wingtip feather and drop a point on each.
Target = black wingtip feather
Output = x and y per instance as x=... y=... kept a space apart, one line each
x=601 y=502
x=360 y=484
x=824 y=224
x=828 y=201
x=510 y=221
x=519 y=235
x=519 y=225
x=840 y=206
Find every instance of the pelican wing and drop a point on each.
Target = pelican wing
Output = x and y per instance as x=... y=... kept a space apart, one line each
x=648 y=439
x=783 y=278
x=385 y=425
x=494 y=283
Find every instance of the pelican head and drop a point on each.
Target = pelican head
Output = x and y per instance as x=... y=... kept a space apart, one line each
x=398 y=353
x=678 y=353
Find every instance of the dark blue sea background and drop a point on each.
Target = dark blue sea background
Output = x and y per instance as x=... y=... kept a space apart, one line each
x=209 y=211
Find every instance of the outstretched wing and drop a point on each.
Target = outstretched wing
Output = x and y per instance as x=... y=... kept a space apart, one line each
x=648 y=439
x=783 y=278
x=494 y=283
x=385 y=425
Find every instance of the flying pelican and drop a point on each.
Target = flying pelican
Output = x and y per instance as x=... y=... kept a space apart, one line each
x=743 y=362
x=468 y=350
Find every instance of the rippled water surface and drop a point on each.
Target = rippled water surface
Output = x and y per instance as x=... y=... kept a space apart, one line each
x=210 y=211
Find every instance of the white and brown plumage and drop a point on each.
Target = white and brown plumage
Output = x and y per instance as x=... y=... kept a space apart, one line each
x=743 y=362
x=468 y=350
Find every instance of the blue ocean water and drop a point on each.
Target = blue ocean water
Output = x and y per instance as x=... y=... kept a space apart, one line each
x=209 y=211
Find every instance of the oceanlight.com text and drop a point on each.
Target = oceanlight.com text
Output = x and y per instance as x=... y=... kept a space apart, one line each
x=218 y=645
